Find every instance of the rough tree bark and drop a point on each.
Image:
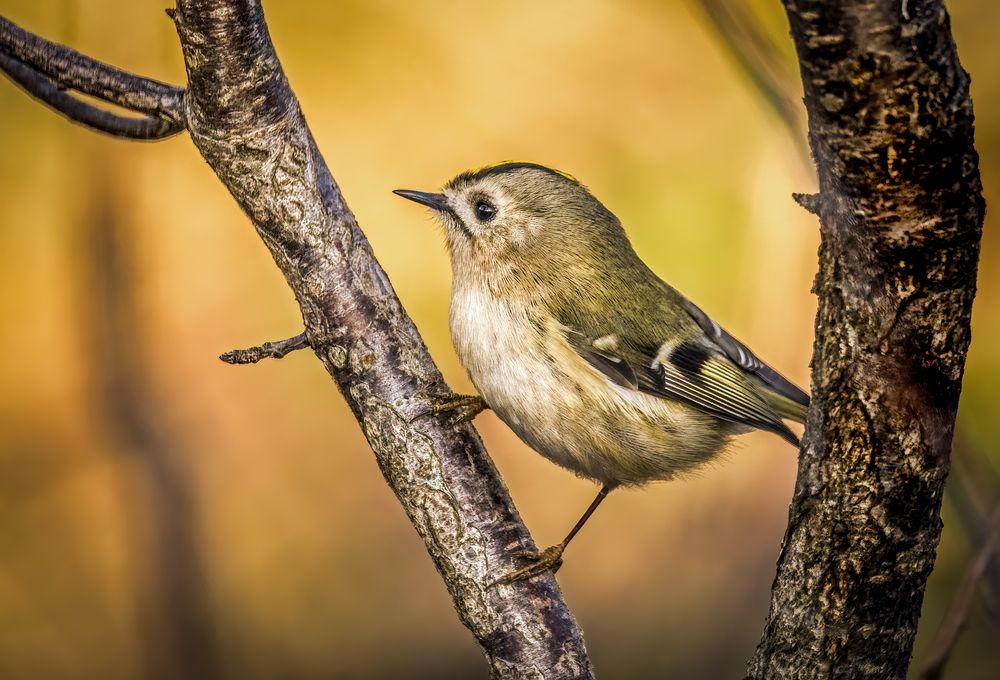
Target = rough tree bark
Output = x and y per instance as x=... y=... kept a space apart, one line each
x=900 y=206
x=246 y=122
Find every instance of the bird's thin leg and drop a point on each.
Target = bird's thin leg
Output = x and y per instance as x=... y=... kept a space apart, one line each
x=601 y=495
x=550 y=559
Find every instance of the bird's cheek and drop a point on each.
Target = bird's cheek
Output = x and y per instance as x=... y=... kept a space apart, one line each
x=456 y=228
x=458 y=242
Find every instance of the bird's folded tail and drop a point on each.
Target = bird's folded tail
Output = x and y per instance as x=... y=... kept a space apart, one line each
x=783 y=406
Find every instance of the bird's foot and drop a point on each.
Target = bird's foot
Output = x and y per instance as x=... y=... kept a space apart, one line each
x=463 y=407
x=549 y=560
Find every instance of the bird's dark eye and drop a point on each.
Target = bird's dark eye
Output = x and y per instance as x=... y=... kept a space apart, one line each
x=485 y=211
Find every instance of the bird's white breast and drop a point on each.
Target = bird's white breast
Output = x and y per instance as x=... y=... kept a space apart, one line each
x=503 y=351
x=523 y=367
x=509 y=360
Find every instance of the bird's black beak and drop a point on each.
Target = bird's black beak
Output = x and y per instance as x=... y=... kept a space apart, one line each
x=434 y=201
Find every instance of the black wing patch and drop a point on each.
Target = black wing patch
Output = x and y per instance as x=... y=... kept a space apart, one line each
x=741 y=355
x=689 y=357
x=715 y=385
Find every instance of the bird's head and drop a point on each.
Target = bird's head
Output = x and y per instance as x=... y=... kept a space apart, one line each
x=522 y=220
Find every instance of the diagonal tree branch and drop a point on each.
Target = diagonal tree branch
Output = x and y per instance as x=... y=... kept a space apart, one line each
x=901 y=212
x=245 y=120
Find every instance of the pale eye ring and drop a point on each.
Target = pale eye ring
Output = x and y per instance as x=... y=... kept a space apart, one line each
x=485 y=210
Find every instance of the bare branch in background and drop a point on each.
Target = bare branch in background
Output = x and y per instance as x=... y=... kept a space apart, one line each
x=245 y=120
x=958 y=613
x=973 y=489
x=173 y=605
x=744 y=38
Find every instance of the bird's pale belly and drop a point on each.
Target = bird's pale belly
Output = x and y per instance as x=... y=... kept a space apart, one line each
x=567 y=411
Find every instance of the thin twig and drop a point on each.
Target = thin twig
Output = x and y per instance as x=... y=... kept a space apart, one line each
x=42 y=88
x=973 y=487
x=72 y=70
x=958 y=613
x=268 y=350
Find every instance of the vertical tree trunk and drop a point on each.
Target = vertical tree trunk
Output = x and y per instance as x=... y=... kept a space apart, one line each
x=900 y=206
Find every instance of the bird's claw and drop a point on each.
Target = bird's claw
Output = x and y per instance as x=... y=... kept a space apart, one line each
x=464 y=407
x=549 y=560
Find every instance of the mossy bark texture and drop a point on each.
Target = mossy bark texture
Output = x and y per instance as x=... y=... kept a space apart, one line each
x=901 y=210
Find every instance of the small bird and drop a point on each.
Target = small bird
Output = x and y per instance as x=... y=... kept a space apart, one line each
x=587 y=355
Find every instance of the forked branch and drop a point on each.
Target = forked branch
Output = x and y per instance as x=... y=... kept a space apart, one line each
x=46 y=70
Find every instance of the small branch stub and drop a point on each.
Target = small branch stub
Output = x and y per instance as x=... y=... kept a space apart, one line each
x=269 y=350
x=464 y=408
x=808 y=201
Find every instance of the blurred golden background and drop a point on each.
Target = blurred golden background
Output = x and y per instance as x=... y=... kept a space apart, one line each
x=163 y=514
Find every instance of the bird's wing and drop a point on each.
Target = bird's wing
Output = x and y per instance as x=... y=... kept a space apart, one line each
x=741 y=355
x=694 y=369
